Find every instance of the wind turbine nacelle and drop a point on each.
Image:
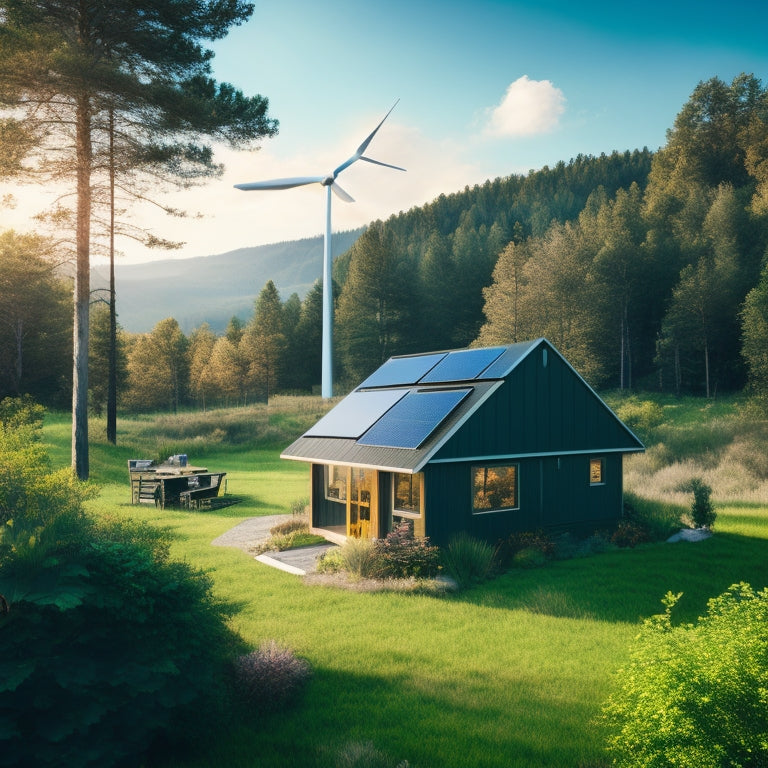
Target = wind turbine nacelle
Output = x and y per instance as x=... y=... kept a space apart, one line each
x=328 y=180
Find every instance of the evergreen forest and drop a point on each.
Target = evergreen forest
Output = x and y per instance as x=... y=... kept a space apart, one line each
x=647 y=270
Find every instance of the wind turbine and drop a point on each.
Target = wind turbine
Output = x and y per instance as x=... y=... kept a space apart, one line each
x=329 y=182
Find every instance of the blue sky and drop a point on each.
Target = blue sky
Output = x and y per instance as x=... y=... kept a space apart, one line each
x=487 y=88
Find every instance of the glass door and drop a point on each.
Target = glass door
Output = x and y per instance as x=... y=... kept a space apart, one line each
x=362 y=504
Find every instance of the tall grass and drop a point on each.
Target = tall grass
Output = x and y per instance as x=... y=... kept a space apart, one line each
x=722 y=441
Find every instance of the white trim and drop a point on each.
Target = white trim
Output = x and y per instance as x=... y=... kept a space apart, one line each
x=267 y=560
x=514 y=456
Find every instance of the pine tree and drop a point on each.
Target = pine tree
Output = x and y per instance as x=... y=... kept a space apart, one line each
x=66 y=66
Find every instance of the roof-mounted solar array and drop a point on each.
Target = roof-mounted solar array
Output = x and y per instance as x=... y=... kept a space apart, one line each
x=413 y=419
x=462 y=365
x=356 y=413
x=402 y=370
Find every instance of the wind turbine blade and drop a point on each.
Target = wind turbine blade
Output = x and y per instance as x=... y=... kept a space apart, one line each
x=378 y=162
x=339 y=192
x=359 y=153
x=296 y=181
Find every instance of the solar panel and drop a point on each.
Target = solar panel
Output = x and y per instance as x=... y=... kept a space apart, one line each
x=355 y=413
x=462 y=365
x=413 y=419
x=402 y=370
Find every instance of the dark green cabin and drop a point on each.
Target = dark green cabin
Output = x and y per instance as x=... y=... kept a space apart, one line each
x=489 y=441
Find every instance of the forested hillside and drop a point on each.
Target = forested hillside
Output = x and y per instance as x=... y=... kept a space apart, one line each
x=647 y=270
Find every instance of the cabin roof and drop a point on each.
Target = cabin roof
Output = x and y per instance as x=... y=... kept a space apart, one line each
x=401 y=415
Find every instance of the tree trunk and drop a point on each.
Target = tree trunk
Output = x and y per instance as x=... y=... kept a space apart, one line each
x=82 y=292
x=19 y=334
x=112 y=373
x=706 y=366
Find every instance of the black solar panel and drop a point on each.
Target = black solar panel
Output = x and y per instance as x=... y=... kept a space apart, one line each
x=413 y=419
x=355 y=413
x=462 y=365
x=402 y=370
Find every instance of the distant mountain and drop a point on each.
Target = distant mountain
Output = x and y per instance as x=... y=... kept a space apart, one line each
x=213 y=289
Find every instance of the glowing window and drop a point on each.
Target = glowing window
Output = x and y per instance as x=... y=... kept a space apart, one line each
x=596 y=472
x=336 y=482
x=495 y=488
x=406 y=496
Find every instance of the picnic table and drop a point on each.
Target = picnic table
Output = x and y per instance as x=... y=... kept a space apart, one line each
x=173 y=485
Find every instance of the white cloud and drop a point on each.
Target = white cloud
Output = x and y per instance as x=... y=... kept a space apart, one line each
x=529 y=107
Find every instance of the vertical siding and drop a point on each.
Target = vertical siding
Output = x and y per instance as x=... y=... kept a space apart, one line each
x=555 y=494
x=539 y=409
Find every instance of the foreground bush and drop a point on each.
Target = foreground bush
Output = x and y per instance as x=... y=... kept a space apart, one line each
x=107 y=646
x=695 y=694
x=268 y=678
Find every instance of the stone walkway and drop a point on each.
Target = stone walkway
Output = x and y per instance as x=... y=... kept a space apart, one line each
x=255 y=530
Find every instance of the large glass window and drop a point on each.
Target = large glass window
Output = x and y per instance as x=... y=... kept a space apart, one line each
x=407 y=493
x=335 y=482
x=495 y=487
x=596 y=472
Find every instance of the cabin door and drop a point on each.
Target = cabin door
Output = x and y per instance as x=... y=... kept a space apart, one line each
x=363 y=504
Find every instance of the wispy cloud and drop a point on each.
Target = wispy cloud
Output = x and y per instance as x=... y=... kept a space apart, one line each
x=529 y=107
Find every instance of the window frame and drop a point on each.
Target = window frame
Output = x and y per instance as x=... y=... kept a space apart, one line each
x=508 y=464
x=398 y=512
x=592 y=461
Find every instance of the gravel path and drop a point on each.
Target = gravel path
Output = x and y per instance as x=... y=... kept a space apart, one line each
x=254 y=530
x=250 y=532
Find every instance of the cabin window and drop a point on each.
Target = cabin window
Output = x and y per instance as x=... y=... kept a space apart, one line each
x=407 y=494
x=335 y=482
x=596 y=472
x=495 y=488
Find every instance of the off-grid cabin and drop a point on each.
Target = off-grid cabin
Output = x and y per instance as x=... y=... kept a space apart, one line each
x=489 y=441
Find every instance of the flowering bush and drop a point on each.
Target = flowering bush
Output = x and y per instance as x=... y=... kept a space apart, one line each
x=269 y=677
x=402 y=555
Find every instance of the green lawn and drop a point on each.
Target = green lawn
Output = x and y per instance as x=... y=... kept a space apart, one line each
x=508 y=674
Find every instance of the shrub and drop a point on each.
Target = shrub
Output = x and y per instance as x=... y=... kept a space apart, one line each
x=695 y=694
x=641 y=416
x=331 y=561
x=658 y=519
x=468 y=560
x=289 y=526
x=293 y=540
x=106 y=644
x=300 y=508
x=402 y=555
x=532 y=540
x=270 y=677
x=359 y=558
x=528 y=558
x=629 y=533
x=359 y=754
x=702 y=512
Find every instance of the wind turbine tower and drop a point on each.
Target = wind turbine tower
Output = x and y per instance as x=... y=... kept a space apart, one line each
x=329 y=182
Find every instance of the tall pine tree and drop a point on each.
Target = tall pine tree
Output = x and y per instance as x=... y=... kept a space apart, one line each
x=64 y=66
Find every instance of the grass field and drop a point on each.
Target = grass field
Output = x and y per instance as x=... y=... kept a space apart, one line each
x=511 y=673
